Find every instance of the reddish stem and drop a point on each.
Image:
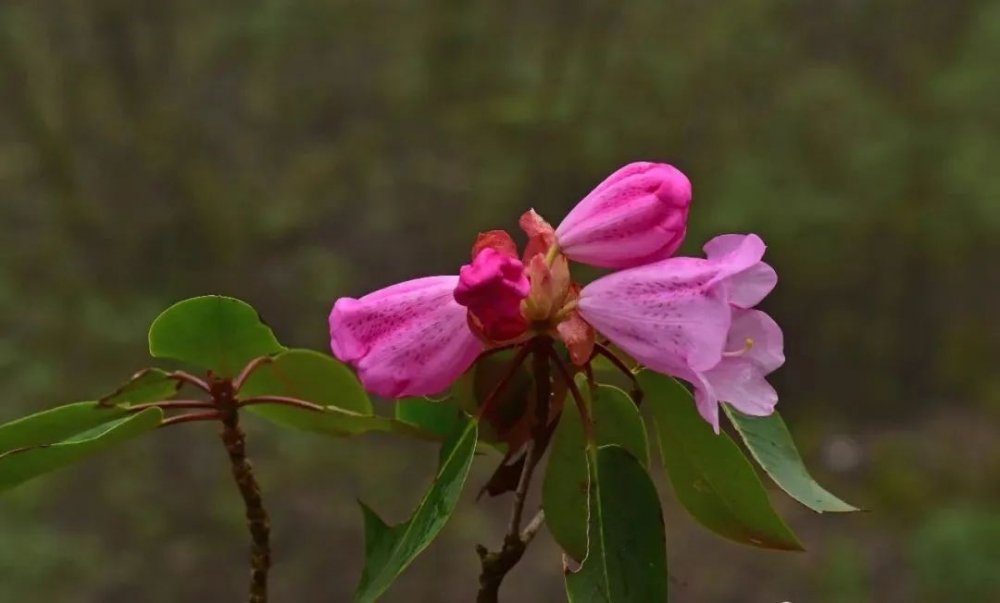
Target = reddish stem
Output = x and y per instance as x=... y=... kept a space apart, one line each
x=501 y=385
x=185 y=377
x=637 y=394
x=169 y=404
x=249 y=369
x=283 y=400
x=581 y=404
x=213 y=415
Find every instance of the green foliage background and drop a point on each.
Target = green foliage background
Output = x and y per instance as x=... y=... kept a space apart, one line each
x=288 y=152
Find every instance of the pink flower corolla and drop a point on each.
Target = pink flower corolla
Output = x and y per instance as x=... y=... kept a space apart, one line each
x=409 y=339
x=492 y=288
x=637 y=216
x=692 y=318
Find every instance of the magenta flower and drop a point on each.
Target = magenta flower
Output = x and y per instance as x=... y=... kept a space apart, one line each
x=492 y=288
x=692 y=318
x=638 y=215
x=410 y=339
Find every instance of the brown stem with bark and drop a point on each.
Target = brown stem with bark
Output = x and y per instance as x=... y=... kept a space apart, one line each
x=258 y=522
x=497 y=564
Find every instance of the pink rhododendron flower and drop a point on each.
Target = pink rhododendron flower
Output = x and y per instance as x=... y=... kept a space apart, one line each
x=638 y=215
x=410 y=339
x=691 y=318
x=492 y=288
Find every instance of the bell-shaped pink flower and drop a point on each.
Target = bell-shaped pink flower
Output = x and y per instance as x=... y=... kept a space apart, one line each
x=691 y=318
x=409 y=339
x=637 y=216
x=492 y=288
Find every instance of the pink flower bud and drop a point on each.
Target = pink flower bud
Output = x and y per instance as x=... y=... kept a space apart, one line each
x=638 y=215
x=410 y=339
x=492 y=288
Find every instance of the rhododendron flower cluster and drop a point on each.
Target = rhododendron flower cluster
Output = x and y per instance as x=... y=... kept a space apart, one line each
x=691 y=318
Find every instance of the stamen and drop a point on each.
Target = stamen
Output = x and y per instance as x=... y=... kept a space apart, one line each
x=747 y=346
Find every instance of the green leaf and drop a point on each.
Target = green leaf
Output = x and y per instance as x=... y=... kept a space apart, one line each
x=333 y=421
x=20 y=465
x=438 y=418
x=627 y=560
x=564 y=490
x=309 y=376
x=148 y=385
x=220 y=334
x=390 y=549
x=56 y=424
x=771 y=444
x=712 y=478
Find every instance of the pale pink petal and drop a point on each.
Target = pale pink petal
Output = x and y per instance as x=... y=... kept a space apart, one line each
x=666 y=315
x=705 y=399
x=638 y=215
x=767 y=350
x=741 y=383
x=410 y=339
x=749 y=280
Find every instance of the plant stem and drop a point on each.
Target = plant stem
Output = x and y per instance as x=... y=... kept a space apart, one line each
x=581 y=404
x=502 y=384
x=636 y=392
x=257 y=519
x=496 y=565
x=191 y=417
x=171 y=404
x=283 y=400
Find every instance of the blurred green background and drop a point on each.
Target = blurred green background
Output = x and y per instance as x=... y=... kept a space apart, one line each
x=288 y=152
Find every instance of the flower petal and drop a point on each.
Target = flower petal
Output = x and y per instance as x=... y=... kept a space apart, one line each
x=739 y=382
x=671 y=315
x=705 y=398
x=409 y=339
x=749 y=279
x=767 y=351
x=638 y=215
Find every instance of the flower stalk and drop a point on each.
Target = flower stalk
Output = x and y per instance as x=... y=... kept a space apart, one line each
x=258 y=522
x=496 y=565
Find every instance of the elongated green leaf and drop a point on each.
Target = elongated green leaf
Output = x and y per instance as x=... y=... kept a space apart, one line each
x=390 y=549
x=220 y=334
x=771 y=444
x=712 y=478
x=333 y=421
x=438 y=418
x=20 y=465
x=627 y=559
x=56 y=424
x=564 y=490
x=309 y=376
x=148 y=385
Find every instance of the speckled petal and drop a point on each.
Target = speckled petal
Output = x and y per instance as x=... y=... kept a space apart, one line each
x=409 y=339
x=638 y=215
x=667 y=315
